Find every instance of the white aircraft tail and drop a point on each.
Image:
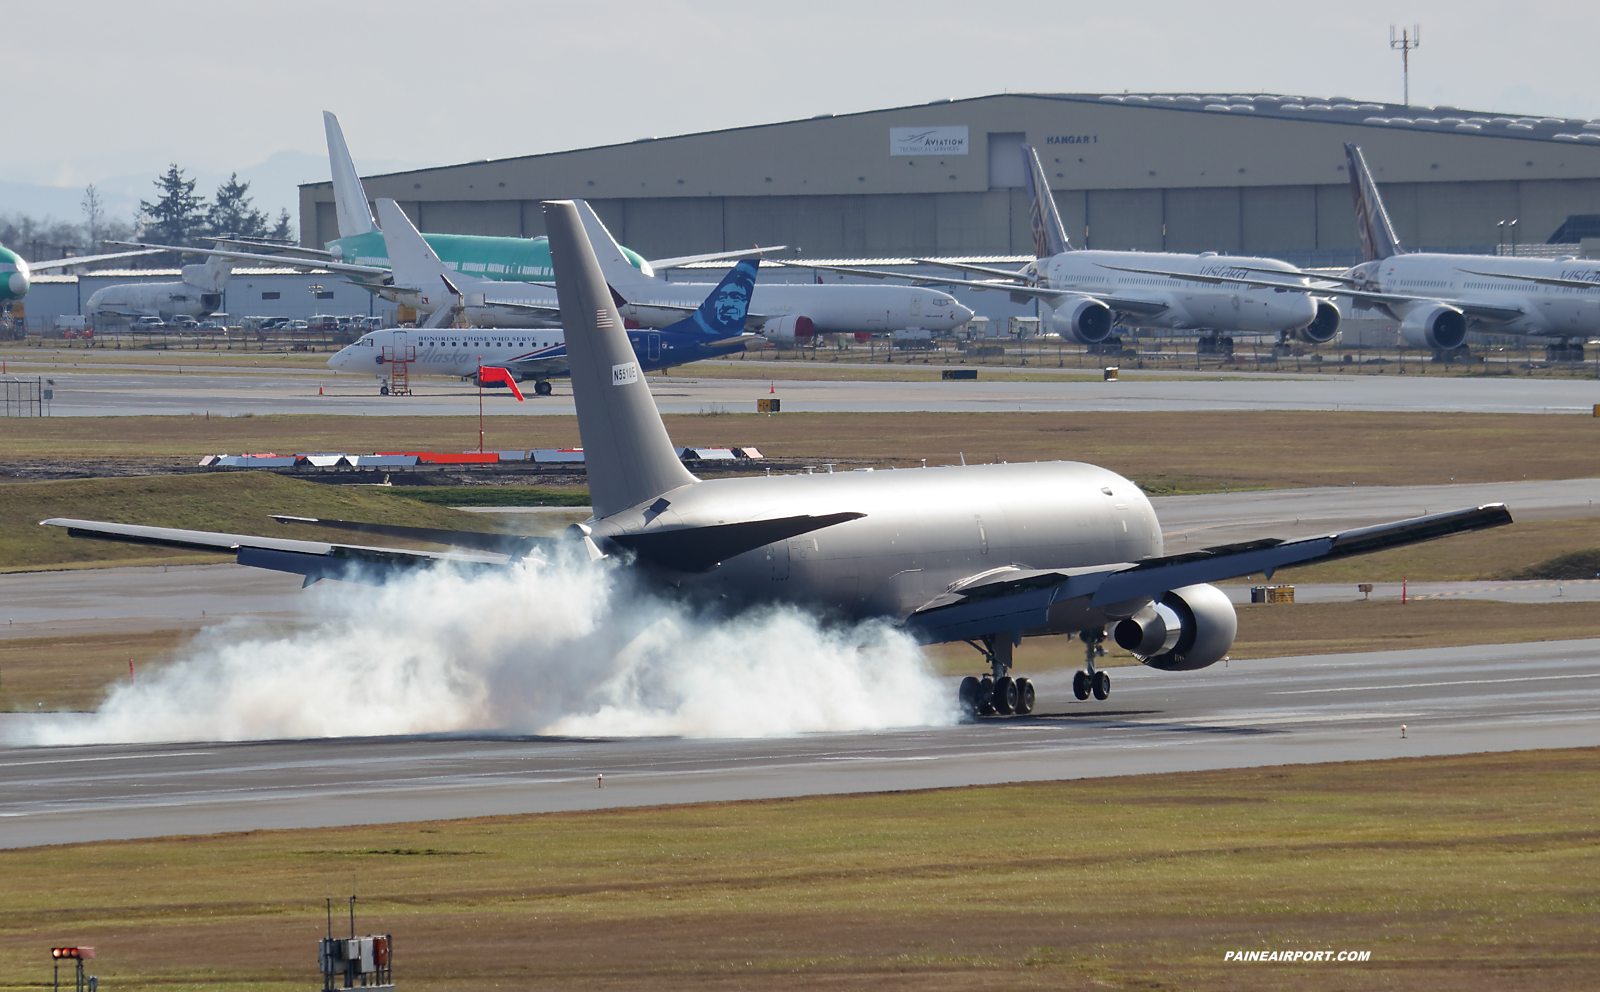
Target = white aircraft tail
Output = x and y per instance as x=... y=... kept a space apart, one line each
x=209 y=276
x=349 y=199
x=630 y=457
x=1372 y=221
x=1049 y=234
x=614 y=265
x=415 y=265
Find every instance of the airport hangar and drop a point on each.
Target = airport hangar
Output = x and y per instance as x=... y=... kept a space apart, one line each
x=1254 y=174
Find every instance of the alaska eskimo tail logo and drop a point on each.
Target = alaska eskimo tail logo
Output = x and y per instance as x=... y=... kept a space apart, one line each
x=625 y=373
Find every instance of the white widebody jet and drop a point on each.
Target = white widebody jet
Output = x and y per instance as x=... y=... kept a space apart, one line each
x=1086 y=295
x=786 y=311
x=197 y=293
x=1438 y=298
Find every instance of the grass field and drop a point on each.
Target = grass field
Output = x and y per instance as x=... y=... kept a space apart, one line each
x=1164 y=452
x=229 y=502
x=1457 y=873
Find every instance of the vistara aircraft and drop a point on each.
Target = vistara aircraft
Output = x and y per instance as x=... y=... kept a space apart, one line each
x=987 y=554
x=1089 y=294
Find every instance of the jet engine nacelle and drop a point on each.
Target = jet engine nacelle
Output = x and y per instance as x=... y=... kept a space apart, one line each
x=790 y=329
x=1322 y=327
x=1435 y=328
x=1083 y=320
x=1182 y=630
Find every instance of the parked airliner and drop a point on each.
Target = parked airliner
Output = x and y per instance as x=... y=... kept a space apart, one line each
x=1086 y=295
x=1438 y=297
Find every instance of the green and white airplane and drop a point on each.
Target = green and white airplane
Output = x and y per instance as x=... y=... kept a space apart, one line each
x=16 y=275
x=359 y=252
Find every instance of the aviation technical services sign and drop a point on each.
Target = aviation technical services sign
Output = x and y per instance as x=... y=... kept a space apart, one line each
x=927 y=141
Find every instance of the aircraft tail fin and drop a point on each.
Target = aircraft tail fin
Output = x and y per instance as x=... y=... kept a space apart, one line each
x=630 y=458
x=614 y=263
x=723 y=313
x=412 y=260
x=209 y=276
x=1049 y=234
x=1372 y=221
x=349 y=199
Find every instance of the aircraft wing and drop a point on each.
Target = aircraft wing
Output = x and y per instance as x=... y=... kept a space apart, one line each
x=1018 y=599
x=312 y=559
x=517 y=545
x=1216 y=280
x=916 y=280
x=1477 y=311
x=658 y=264
x=1541 y=280
x=986 y=270
x=699 y=549
x=343 y=268
x=64 y=263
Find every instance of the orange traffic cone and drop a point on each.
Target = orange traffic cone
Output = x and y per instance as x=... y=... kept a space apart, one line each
x=772 y=388
x=319 y=389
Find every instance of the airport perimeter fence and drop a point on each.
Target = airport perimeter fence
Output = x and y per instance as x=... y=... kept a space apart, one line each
x=230 y=339
x=24 y=397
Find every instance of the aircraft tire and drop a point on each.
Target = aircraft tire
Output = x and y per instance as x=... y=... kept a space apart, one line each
x=1080 y=684
x=1005 y=695
x=383 y=390
x=1025 y=696
x=968 y=695
x=1102 y=685
x=985 y=697
x=543 y=388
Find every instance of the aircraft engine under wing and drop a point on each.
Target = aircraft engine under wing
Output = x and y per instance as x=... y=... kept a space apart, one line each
x=312 y=559
x=1019 y=599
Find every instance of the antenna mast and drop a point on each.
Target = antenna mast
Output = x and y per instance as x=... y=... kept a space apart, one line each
x=1407 y=40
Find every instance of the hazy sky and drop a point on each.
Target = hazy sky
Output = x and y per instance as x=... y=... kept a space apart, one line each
x=112 y=88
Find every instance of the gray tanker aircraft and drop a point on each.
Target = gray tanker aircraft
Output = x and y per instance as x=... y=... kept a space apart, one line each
x=986 y=554
x=1088 y=294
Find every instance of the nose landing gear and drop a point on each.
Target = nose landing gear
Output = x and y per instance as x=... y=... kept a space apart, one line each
x=1089 y=680
x=996 y=694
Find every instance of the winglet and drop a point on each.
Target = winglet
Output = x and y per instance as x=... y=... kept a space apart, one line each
x=1049 y=234
x=630 y=458
x=1372 y=221
x=349 y=199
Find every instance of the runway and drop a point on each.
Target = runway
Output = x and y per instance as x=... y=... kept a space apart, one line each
x=140 y=393
x=1251 y=713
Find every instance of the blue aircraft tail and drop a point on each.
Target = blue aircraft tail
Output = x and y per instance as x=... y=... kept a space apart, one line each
x=723 y=313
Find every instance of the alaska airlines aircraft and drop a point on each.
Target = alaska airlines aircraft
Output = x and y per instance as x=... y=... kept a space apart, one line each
x=713 y=329
x=1087 y=294
x=789 y=312
x=1438 y=297
x=981 y=554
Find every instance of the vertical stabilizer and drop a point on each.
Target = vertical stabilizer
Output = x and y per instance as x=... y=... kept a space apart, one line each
x=412 y=261
x=629 y=457
x=1372 y=221
x=209 y=276
x=349 y=199
x=1049 y=234
x=614 y=264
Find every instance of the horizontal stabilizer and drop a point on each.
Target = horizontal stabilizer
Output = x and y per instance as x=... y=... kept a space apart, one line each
x=698 y=549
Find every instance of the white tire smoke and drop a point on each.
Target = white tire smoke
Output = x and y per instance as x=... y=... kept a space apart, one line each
x=570 y=649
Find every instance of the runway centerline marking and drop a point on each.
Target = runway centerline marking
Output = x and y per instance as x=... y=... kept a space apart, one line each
x=1430 y=685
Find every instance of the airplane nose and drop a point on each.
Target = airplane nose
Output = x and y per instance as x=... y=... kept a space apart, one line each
x=961 y=314
x=19 y=284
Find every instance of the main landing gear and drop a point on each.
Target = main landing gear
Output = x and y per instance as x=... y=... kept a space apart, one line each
x=1091 y=681
x=996 y=694
x=543 y=388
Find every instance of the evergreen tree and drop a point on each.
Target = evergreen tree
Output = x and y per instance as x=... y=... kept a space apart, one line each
x=281 y=231
x=231 y=212
x=177 y=212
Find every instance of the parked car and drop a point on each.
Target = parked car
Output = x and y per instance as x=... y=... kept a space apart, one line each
x=185 y=323
x=212 y=325
x=148 y=324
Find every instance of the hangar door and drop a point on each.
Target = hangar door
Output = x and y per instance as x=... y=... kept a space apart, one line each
x=1006 y=170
